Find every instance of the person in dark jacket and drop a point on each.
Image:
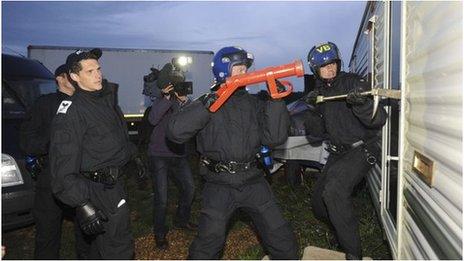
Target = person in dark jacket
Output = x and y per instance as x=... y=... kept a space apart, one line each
x=89 y=145
x=34 y=141
x=353 y=142
x=228 y=141
x=168 y=159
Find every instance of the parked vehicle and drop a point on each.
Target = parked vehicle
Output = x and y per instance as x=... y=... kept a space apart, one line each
x=301 y=150
x=23 y=81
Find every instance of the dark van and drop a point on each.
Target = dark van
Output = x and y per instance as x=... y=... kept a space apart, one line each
x=23 y=81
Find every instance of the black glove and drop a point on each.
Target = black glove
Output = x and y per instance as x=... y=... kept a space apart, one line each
x=355 y=98
x=90 y=219
x=311 y=97
x=141 y=168
x=208 y=99
x=35 y=165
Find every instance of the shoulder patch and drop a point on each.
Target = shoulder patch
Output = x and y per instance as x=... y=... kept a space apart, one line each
x=64 y=106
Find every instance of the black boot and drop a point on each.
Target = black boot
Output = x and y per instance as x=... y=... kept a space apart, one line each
x=161 y=243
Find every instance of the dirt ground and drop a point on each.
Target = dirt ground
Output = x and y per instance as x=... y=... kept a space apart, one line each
x=179 y=241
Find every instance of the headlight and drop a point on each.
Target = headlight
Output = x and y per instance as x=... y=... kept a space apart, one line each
x=11 y=175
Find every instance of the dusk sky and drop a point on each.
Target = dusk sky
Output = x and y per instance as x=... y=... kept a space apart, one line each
x=275 y=32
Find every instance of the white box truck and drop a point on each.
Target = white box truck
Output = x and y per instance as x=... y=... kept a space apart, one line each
x=126 y=67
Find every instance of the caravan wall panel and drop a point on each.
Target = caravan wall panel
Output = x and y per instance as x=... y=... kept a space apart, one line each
x=432 y=82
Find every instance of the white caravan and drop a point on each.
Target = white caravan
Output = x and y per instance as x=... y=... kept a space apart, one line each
x=416 y=47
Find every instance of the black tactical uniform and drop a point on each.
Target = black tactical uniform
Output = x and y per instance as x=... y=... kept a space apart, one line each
x=353 y=148
x=48 y=212
x=89 y=136
x=228 y=141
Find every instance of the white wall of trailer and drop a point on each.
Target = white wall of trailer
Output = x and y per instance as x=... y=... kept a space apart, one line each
x=417 y=47
x=430 y=224
x=126 y=67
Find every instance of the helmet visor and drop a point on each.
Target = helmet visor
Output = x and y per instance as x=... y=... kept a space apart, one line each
x=238 y=58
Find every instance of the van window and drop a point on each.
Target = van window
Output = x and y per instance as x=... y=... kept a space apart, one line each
x=29 y=90
x=11 y=106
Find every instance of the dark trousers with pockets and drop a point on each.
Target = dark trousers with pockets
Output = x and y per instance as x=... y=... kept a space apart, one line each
x=178 y=168
x=219 y=203
x=332 y=196
x=116 y=242
x=48 y=215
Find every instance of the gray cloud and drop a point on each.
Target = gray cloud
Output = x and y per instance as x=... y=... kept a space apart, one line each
x=276 y=32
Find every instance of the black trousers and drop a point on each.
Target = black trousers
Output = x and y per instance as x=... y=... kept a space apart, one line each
x=219 y=203
x=117 y=241
x=177 y=168
x=332 y=200
x=48 y=215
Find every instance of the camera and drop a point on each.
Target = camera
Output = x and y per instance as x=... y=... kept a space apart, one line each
x=149 y=83
x=172 y=74
x=183 y=88
x=152 y=76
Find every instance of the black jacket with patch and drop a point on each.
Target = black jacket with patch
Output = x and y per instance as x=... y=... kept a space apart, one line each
x=35 y=130
x=88 y=133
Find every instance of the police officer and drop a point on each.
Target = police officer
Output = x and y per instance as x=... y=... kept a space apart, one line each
x=228 y=141
x=353 y=138
x=35 y=140
x=89 y=145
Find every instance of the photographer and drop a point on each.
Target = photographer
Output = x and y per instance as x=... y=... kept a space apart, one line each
x=168 y=158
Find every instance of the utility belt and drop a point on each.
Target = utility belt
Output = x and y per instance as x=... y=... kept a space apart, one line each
x=343 y=148
x=231 y=167
x=107 y=176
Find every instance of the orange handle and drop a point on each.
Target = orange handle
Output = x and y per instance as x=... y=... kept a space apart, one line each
x=269 y=75
x=276 y=94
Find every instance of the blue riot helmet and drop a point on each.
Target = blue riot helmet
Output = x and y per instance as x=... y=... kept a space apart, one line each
x=323 y=54
x=227 y=57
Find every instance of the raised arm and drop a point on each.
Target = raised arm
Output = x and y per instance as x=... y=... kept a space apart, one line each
x=275 y=123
